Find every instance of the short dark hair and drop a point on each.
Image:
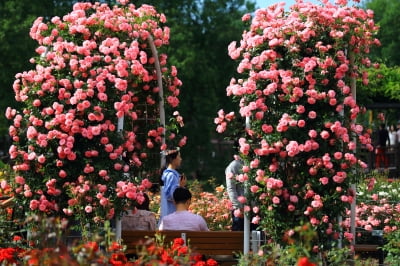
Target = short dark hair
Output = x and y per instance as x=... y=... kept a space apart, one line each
x=181 y=195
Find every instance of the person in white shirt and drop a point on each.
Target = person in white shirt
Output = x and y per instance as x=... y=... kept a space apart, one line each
x=398 y=132
x=392 y=136
x=182 y=219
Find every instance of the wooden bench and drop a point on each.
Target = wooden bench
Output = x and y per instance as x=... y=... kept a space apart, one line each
x=366 y=248
x=370 y=249
x=220 y=245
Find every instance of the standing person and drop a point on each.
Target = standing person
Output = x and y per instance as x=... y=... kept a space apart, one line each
x=392 y=136
x=383 y=138
x=182 y=219
x=141 y=218
x=235 y=189
x=398 y=132
x=170 y=180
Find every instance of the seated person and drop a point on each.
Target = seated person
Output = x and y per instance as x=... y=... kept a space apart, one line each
x=182 y=219
x=141 y=218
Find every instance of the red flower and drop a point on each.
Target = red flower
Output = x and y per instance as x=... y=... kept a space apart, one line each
x=151 y=249
x=118 y=258
x=17 y=238
x=165 y=258
x=178 y=242
x=303 y=261
x=211 y=262
x=196 y=257
x=7 y=255
x=92 y=245
x=33 y=261
x=115 y=246
x=182 y=250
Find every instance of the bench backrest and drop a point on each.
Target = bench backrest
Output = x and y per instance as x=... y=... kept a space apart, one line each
x=207 y=243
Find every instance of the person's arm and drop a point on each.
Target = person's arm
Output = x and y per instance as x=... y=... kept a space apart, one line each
x=170 y=184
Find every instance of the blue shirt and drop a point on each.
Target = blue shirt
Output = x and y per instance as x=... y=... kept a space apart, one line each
x=170 y=177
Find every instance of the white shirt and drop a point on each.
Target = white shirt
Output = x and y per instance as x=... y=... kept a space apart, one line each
x=398 y=136
x=392 y=138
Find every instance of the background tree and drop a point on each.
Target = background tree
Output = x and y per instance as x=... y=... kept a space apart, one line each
x=386 y=15
x=384 y=82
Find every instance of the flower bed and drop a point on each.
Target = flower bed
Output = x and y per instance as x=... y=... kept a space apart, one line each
x=378 y=208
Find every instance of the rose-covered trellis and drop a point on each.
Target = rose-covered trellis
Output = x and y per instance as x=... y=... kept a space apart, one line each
x=296 y=74
x=94 y=67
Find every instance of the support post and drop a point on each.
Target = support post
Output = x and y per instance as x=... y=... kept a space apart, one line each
x=353 y=186
x=246 y=233
x=160 y=92
x=118 y=224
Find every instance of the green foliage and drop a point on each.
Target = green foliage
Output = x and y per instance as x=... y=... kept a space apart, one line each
x=299 y=250
x=392 y=247
x=383 y=82
x=386 y=16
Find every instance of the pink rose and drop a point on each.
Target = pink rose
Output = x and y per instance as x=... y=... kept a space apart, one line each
x=88 y=209
x=293 y=198
x=312 y=114
x=276 y=200
x=237 y=213
x=324 y=134
x=324 y=180
x=242 y=199
x=301 y=123
x=254 y=188
x=19 y=180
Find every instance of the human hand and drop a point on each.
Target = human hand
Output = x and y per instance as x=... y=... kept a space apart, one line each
x=183 y=180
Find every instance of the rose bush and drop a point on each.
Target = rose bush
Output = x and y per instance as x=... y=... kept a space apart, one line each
x=296 y=73
x=215 y=207
x=89 y=121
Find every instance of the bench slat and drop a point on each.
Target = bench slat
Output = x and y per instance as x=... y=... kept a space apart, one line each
x=207 y=243
x=365 y=247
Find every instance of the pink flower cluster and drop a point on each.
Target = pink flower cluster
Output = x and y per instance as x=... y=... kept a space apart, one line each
x=377 y=206
x=94 y=69
x=297 y=94
x=213 y=207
